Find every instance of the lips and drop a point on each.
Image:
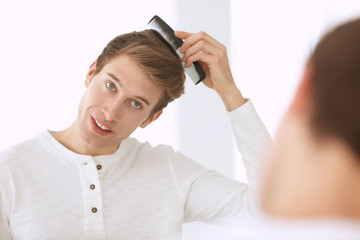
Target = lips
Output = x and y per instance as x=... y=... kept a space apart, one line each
x=99 y=127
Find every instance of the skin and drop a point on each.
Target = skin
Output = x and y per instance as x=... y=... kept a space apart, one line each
x=115 y=98
x=308 y=176
x=213 y=57
x=116 y=109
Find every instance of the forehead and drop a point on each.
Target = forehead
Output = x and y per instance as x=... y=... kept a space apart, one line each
x=132 y=78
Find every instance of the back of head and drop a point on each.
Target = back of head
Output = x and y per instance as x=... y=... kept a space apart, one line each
x=154 y=56
x=313 y=170
x=335 y=89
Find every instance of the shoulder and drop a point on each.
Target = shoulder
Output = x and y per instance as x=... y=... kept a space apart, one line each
x=161 y=152
x=24 y=149
x=135 y=146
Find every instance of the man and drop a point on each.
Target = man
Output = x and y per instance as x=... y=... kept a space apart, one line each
x=92 y=181
x=311 y=189
x=314 y=171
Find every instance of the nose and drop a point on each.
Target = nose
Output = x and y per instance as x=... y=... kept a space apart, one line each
x=112 y=109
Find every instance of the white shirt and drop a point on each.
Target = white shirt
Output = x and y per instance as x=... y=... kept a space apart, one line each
x=139 y=192
x=286 y=229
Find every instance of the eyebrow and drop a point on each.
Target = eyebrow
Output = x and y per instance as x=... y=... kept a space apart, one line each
x=143 y=99
x=114 y=77
x=138 y=97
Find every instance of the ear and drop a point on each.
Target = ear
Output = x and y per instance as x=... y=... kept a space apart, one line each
x=302 y=97
x=90 y=73
x=151 y=118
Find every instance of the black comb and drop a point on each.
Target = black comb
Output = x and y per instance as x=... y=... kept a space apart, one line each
x=195 y=71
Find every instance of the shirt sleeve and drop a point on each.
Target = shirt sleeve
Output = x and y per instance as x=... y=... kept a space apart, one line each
x=4 y=222
x=253 y=141
x=212 y=196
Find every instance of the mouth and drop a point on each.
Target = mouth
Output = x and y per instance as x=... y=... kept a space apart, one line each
x=99 y=127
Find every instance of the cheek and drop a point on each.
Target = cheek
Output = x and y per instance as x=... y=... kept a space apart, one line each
x=290 y=174
x=133 y=118
x=92 y=97
x=82 y=105
x=281 y=172
x=274 y=175
x=279 y=183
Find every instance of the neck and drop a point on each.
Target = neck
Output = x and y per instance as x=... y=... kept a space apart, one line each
x=346 y=194
x=335 y=194
x=312 y=177
x=335 y=191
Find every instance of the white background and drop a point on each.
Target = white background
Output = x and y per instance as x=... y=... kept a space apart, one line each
x=46 y=48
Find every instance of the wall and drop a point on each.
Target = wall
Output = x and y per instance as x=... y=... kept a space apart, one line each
x=46 y=48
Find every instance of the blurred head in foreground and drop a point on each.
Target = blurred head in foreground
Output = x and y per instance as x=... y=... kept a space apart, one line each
x=314 y=168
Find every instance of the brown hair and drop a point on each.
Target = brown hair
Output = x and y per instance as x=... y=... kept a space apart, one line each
x=155 y=57
x=335 y=88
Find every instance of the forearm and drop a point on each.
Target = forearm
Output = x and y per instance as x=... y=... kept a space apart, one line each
x=231 y=97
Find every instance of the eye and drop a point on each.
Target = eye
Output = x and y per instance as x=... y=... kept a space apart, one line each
x=135 y=104
x=110 y=86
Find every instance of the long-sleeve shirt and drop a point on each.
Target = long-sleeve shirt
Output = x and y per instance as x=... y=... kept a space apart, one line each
x=138 y=192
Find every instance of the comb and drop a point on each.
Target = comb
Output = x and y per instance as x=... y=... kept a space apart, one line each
x=195 y=71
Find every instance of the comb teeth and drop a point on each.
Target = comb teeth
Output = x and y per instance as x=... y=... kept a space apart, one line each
x=166 y=31
x=195 y=71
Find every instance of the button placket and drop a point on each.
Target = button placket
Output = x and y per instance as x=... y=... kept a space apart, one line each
x=92 y=195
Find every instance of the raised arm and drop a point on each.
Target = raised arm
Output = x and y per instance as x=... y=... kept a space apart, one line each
x=213 y=57
x=211 y=195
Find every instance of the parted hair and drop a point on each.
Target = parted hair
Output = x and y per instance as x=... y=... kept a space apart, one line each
x=155 y=57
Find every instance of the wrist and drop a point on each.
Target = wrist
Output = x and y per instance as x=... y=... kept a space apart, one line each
x=232 y=98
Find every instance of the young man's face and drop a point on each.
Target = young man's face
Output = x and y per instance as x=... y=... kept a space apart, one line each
x=118 y=99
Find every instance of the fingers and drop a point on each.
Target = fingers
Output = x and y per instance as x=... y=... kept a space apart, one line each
x=192 y=38
x=182 y=34
x=212 y=55
x=201 y=47
x=197 y=46
x=202 y=57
